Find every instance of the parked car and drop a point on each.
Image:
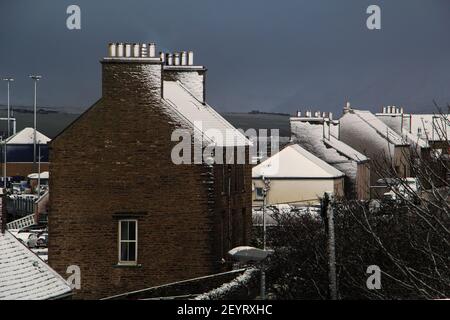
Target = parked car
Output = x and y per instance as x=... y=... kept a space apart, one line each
x=30 y=239
x=402 y=189
x=42 y=240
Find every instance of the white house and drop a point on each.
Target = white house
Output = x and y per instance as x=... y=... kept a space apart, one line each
x=295 y=176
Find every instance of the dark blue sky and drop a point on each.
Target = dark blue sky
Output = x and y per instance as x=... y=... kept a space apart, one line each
x=269 y=55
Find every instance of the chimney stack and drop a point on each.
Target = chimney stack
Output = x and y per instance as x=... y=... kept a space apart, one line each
x=123 y=57
x=179 y=66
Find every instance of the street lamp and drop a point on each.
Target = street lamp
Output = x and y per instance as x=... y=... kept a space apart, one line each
x=36 y=78
x=245 y=254
x=8 y=80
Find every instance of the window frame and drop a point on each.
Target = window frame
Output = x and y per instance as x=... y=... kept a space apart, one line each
x=259 y=197
x=120 y=241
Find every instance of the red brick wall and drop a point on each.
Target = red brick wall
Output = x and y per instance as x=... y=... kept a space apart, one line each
x=116 y=159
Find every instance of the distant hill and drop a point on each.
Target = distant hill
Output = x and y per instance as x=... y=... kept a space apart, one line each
x=50 y=121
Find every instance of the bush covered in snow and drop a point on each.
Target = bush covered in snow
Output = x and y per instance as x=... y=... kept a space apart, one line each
x=239 y=288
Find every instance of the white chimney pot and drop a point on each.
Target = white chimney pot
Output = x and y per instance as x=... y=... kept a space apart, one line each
x=112 y=49
x=120 y=49
x=136 y=50
x=190 y=58
x=152 y=50
x=128 y=50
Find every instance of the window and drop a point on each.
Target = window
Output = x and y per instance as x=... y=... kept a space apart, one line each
x=128 y=241
x=259 y=193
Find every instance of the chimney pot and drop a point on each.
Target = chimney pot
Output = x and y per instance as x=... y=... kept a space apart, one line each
x=112 y=49
x=136 y=50
x=170 y=59
x=162 y=56
x=120 y=50
x=128 y=50
x=176 y=59
x=152 y=50
x=347 y=108
x=330 y=115
x=190 y=58
x=299 y=113
x=184 y=58
x=144 y=50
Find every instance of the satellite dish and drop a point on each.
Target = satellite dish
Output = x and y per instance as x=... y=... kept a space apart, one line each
x=246 y=254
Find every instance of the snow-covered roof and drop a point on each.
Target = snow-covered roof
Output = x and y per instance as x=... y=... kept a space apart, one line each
x=201 y=116
x=399 y=123
x=24 y=276
x=430 y=126
x=311 y=137
x=381 y=128
x=26 y=136
x=295 y=162
x=344 y=149
x=44 y=175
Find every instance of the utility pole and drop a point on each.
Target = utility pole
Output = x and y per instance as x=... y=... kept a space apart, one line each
x=8 y=80
x=331 y=247
x=36 y=78
x=39 y=171
x=4 y=163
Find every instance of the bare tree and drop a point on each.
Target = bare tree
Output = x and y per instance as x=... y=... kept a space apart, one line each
x=407 y=235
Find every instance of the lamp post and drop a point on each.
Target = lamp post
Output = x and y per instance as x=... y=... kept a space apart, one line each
x=8 y=80
x=263 y=273
x=39 y=171
x=36 y=78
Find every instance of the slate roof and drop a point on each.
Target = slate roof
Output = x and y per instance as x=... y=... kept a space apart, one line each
x=24 y=276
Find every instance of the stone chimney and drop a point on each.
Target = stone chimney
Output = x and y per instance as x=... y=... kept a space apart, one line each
x=180 y=67
x=131 y=71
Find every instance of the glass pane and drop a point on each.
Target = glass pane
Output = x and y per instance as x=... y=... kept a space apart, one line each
x=124 y=251
x=132 y=230
x=124 y=230
x=131 y=251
